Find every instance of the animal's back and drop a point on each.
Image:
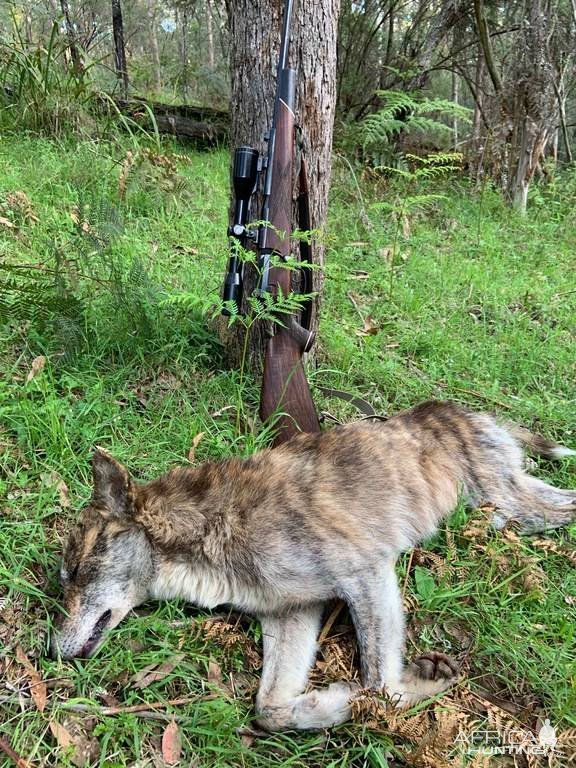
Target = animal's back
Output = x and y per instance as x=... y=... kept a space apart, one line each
x=386 y=481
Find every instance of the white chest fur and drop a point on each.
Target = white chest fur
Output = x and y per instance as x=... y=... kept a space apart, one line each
x=204 y=586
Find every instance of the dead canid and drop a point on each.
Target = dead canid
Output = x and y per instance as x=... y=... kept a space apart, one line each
x=281 y=533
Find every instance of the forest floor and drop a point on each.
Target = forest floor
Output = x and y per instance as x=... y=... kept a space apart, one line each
x=459 y=299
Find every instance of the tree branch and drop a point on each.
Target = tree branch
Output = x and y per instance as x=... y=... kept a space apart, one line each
x=486 y=44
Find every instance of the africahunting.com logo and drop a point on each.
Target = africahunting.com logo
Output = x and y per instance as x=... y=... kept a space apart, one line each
x=513 y=741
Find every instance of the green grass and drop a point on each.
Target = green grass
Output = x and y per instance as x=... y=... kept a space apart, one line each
x=480 y=308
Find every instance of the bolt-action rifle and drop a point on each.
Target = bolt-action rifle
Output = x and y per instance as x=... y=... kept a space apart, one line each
x=285 y=392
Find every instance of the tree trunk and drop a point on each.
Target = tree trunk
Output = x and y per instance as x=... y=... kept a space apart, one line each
x=154 y=48
x=119 y=49
x=182 y=11
x=448 y=14
x=559 y=91
x=523 y=110
x=532 y=107
x=456 y=100
x=486 y=44
x=75 y=57
x=255 y=39
x=210 y=36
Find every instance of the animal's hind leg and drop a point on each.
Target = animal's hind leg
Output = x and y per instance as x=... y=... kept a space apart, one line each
x=534 y=506
x=376 y=607
x=289 y=650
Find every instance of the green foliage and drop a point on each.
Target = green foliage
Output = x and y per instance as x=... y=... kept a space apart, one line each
x=39 y=91
x=481 y=314
x=434 y=166
x=57 y=292
x=404 y=114
x=150 y=179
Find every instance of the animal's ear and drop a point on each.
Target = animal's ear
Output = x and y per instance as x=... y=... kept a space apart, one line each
x=113 y=486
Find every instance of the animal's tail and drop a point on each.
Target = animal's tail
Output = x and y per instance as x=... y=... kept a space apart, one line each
x=539 y=445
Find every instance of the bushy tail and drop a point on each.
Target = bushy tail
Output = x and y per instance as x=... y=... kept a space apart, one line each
x=539 y=445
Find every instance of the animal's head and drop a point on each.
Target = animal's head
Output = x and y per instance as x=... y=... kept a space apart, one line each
x=107 y=564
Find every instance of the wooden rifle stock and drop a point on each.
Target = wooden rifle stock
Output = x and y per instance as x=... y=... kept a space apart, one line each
x=285 y=392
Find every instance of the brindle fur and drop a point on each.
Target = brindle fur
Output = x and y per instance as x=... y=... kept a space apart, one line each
x=279 y=534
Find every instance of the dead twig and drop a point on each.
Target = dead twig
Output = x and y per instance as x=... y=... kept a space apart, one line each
x=354 y=303
x=329 y=623
x=14 y=756
x=146 y=710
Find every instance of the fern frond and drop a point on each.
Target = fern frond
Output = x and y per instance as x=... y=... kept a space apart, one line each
x=405 y=113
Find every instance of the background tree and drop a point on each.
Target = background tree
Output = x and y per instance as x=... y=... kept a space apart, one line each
x=119 y=49
x=512 y=63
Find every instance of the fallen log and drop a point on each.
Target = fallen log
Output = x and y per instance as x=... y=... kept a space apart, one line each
x=204 y=125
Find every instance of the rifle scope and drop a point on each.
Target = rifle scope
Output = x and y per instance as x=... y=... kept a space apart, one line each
x=244 y=181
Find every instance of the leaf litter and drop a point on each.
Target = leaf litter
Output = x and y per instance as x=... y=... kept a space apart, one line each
x=38 y=689
x=171 y=743
x=155 y=672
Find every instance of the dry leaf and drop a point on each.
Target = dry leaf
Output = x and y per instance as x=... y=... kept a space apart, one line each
x=84 y=751
x=187 y=249
x=155 y=672
x=231 y=637
x=37 y=685
x=61 y=734
x=359 y=274
x=54 y=479
x=215 y=677
x=171 y=743
x=192 y=450
x=247 y=739
x=62 y=489
x=37 y=367
x=220 y=411
x=6 y=222
x=20 y=204
x=386 y=254
x=168 y=381
x=369 y=329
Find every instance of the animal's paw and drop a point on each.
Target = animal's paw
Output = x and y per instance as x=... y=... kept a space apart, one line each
x=435 y=666
x=315 y=710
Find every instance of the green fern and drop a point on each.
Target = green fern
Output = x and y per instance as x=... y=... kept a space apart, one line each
x=433 y=166
x=404 y=113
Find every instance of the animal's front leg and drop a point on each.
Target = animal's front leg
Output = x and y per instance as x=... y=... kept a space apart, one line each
x=376 y=607
x=289 y=652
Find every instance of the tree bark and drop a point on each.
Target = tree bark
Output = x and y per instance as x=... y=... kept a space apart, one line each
x=523 y=110
x=182 y=11
x=561 y=98
x=442 y=23
x=76 y=58
x=210 y=36
x=119 y=49
x=255 y=39
x=154 y=48
x=456 y=100
x=532 y=108
x=486 y=44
